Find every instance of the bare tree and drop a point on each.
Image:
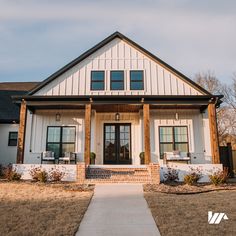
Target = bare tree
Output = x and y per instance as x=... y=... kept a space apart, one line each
x=209 y=81
x=226 y=114
x=229 y=92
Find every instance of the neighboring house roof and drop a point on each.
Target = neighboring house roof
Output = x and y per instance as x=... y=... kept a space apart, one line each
x=18 y=86
x=9 y=112
x=103 y=43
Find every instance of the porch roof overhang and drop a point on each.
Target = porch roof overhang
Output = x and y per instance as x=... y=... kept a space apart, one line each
x=156 y=101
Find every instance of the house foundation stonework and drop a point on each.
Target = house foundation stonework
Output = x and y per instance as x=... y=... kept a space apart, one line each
x=124 y=106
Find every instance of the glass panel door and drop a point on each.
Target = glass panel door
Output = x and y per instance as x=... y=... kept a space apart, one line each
x=109 y=144
x=124 y=144
x=117 y=141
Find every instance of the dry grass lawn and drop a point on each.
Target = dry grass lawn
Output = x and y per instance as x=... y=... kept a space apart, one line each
x=188 y=214
x=39 y=209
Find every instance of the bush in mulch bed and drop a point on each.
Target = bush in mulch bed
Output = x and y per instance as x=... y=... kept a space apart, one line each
x=219 y=177
x=172 y=175
x=193 y=177
x=10 y=173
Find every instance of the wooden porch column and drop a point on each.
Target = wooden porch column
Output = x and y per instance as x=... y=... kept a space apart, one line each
x=213 y=134
x=146 y=126
x=21 y=134
x=87 y=141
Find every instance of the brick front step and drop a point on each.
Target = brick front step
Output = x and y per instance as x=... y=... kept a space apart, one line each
x=117 y=175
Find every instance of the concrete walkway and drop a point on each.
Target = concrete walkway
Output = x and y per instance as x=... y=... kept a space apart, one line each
x=118 y=209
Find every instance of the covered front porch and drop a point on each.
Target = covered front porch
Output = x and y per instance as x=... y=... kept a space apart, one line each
x=117 y=128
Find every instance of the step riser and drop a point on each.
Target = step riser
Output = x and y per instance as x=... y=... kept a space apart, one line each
x=117 y=175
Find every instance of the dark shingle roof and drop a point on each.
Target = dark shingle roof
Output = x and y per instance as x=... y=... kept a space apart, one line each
x=9 y=112
x=18 y=86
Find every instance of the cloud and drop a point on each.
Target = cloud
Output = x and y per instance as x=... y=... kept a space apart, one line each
x=37 y=38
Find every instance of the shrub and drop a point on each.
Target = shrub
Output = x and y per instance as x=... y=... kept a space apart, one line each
x=56 y=175
x=193 y=176
x=11 y=174
x=172 y=175
x=219 y=177
x=38 y=174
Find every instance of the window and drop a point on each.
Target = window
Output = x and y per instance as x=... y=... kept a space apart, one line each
x=12 y=138
x=97 y=80
x=173 y=138
x=60 y=139
x=136 y=80
x=117 y=80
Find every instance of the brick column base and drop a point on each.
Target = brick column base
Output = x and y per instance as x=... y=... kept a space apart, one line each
x=81 y=172
x=154 y=172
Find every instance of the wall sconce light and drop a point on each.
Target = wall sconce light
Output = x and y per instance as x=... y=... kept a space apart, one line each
x=58 y=117
x=117 y=116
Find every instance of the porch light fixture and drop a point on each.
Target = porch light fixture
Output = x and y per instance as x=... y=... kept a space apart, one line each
x=58 y=117
x=176 y=114
x=117 y=116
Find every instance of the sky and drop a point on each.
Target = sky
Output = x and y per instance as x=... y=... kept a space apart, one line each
x=39 y=37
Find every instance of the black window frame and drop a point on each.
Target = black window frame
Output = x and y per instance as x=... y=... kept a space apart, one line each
x=117 y=81
x=173 y=138
x=61 y=135
x=97 y=81
x=136 y=81
x=12 y=139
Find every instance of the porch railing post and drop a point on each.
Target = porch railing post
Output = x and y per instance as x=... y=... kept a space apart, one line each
x=87 y=141
x=213 y=134
x=146 y=126
x=21 y=134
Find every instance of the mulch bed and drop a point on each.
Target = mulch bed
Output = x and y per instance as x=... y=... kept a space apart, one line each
x=179 y=188
x=67 y=186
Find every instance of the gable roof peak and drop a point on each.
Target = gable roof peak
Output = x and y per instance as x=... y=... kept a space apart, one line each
x=103 y=43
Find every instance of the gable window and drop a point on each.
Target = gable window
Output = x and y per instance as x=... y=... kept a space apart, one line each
x=60 y=139
x=173 y=138
x=97 y=80
x=117 y=80
x=136 y=80
x=12 y=138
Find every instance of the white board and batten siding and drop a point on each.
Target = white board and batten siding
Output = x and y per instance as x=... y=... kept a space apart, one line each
x=118 y=55
x=36 y=131
x=7 y=153
x=197 y=125
x=198 y=132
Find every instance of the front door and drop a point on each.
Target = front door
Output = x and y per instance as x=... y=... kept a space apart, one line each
x=117 y=143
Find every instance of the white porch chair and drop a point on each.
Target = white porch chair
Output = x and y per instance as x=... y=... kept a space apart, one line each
x=68 y=158
x=48 y=156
